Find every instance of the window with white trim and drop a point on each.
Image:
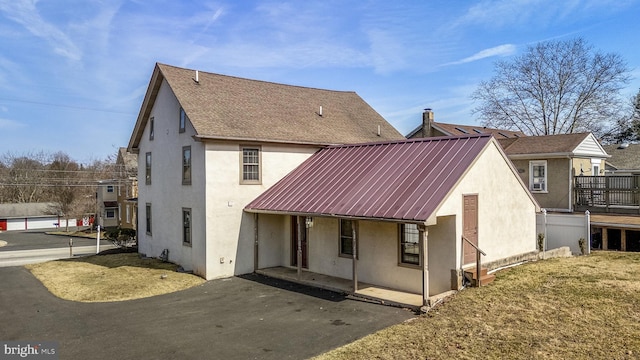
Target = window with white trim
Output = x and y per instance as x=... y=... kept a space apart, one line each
x=409 y=244
x=538 y=176
x=250 y=165
x=183 y=120
x=109 y=188
x=110 y=213
x=147 y=168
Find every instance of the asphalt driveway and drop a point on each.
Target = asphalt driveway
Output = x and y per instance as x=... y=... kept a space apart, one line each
x=250 y=317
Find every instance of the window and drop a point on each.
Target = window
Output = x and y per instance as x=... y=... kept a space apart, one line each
x=186 y=226
x=250 y=165
x=346 y=237
x=409 y=244
x=595 y=171
x=109 y=188
x=148 y=169
x=183 y=120
x=186 y=165
x=110 y=213
x=148 y=217
x=151 y=128
x=538 y=176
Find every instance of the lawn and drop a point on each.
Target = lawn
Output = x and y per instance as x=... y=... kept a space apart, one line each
x=113 y=277
x=585 y=307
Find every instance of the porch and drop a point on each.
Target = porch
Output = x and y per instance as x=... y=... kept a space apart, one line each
x=610 y=194
x=365 y=291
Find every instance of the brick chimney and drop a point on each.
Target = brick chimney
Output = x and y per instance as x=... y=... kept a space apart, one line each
x=427 y=120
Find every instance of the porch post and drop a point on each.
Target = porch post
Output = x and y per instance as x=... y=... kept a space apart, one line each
x=423 y=240
x=255 y=242
x=355 y=257
x=300 y=230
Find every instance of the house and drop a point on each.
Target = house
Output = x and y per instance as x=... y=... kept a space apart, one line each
x=208 y=144
x=430 y=128
x=107 y=203
x=116 y=198
x=624 y=160
x=548 y=165
x=394 y=214
x=127 y=175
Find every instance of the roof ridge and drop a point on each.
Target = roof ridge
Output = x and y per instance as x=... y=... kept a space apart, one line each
x=414 y=140
x=255 y=80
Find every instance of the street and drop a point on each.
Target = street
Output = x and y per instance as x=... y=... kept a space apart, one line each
x=27 y=247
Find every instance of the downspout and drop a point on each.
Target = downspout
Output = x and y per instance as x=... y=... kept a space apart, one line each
x=355 y=257
x=255 y=242
x=299 y=255
x=423 y=239
x=570 y=183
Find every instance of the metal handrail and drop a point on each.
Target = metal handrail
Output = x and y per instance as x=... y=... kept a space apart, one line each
x=474 y=245
x=478 y=252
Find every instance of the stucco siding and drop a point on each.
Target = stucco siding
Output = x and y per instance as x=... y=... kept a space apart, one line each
x=506 y=214
x=230 y=232
x=558 y=194
x=166 y=193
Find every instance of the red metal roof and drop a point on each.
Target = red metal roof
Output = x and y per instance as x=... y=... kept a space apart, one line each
x=399 y=180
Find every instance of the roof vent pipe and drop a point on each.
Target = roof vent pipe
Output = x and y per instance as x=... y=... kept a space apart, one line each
x=378 y=130
x=197 y=78
x=320 y=112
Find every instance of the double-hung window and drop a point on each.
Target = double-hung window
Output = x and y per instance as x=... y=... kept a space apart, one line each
x=109 y=188
x=186 y=165
x=346 y=237
x=538 y=176
x=186 y=226
x=250 y=165
x=147 y=171
x=409 y=244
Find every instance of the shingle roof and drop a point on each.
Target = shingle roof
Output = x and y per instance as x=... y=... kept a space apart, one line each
x=228 y=107
x=26 y=209
x=549 y=144
x=624 y=158
x=396 y=181
x=461 y=130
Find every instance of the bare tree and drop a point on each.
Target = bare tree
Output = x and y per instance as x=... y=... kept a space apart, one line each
x=555 y=87
x=21 y=176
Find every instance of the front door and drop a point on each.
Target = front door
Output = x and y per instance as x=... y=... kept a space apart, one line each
x=470 y=227
x=294 y=242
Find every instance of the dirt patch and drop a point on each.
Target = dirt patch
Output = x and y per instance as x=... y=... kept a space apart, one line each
x=572 y=308
x=111 y=277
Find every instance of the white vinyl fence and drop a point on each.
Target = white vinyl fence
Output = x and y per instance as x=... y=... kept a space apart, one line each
x=564 y=230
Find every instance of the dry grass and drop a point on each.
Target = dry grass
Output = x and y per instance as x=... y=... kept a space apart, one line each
x=115 y=277
x=584 y=307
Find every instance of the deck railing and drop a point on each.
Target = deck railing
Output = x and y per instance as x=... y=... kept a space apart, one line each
x=607 y=193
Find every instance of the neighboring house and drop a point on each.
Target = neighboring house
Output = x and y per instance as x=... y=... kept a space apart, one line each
x=29 y=216
x=127 y=165
x=548 y=164
x=375 y=208
x=208 y=144
x=107 y=202
x=430 y=128
x=624 y=160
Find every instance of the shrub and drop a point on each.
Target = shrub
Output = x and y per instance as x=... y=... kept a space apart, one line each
x=583 y=246
x=541 y=242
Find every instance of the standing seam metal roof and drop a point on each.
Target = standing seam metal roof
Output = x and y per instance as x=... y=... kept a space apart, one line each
x=399 y=180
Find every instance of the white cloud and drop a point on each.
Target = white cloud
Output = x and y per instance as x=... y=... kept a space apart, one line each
x=26 y=14
x=500 y=50
x=10 y=124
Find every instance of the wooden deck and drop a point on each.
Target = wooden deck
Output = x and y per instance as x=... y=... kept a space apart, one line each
x=619 y=221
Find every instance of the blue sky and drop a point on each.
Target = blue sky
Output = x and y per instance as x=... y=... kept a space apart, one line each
x=73 y=73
